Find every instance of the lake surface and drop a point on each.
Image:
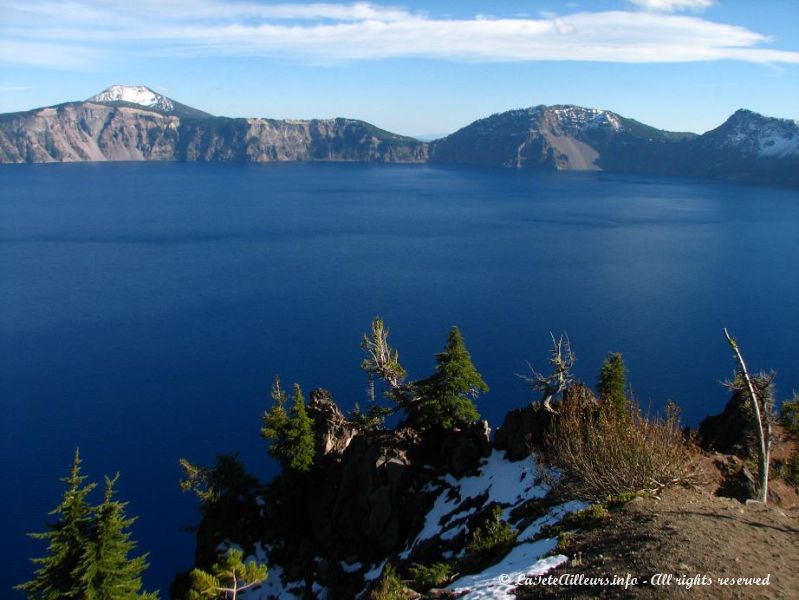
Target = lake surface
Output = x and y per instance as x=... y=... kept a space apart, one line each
x=146 y=307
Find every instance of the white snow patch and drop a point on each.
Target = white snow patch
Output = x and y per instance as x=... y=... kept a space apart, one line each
x=497 y=581
x=374 y=572
x=274 y=587
x=453 y=533
x=553 y=516
x=135 y=94
x=319 y=591
x=350 y=568
x=505 y=482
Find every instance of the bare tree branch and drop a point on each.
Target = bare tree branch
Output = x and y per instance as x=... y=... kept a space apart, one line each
x=561 y=360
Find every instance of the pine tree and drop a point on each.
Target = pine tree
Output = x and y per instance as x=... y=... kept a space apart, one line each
x=60 y=575
x=108 y=573
x=276 y=423
x=230 y=576
x=446 y=397
x=290 y=434
x=612 y=383
x=300 y=438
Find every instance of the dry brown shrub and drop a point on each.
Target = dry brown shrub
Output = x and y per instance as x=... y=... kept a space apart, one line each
x=604 y=454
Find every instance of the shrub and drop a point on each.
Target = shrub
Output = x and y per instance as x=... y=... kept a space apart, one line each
x=602 y=459
x=493 y=535
x=588 y=518
x=389 y=587
x=433 y=576
x=790 y=419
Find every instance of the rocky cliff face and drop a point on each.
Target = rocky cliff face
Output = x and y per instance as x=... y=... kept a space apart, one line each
x=135 y=123
x=403 y=496
x=94 y=131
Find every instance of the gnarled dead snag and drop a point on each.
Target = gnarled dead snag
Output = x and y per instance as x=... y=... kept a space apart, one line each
x=562 y=359
x=762 y=412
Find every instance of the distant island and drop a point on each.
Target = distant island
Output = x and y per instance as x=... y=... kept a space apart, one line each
x=134 y=123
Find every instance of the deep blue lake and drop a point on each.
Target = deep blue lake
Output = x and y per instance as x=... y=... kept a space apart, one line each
x=146 y=307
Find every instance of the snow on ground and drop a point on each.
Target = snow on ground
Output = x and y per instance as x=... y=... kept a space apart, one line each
x=497 y=581
x=553 y=516
x=374 y=572
x=498 y=480
x=135 y=94
x=507 y=483
x=350 y=568
x=274 y=587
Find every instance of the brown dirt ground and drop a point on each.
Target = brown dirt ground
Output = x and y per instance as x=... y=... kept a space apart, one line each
x=686 y=532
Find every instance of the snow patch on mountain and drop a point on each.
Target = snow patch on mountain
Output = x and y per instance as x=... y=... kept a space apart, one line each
x=135 y=94
x=761 y=136
x=586 y=118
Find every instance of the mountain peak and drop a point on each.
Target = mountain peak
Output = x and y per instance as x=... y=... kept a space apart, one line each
x=134 y=94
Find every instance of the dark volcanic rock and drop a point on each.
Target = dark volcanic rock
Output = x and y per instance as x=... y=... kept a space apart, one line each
x=524 y=429
x=728 y=432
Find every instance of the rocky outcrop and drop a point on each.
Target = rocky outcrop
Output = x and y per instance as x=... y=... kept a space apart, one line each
x=332 y=431
x=93 y=131
x=728 y=432
x=524 y=430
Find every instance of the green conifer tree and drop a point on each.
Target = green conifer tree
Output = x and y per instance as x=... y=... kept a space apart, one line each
x=289 y=433
x=612 y=383
x=300 y=439
x=230 y=576
x=60 y=575
x=108 y=572
x=446 y=397
x=276 y=423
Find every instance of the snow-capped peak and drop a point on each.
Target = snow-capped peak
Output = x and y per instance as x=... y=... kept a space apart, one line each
x=755 y=134
x=135 y=94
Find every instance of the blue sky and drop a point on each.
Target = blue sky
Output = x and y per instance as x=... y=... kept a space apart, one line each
x=418 y=68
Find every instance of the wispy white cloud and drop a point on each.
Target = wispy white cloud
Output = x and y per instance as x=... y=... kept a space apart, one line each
x=674 y=5
x=75 y=33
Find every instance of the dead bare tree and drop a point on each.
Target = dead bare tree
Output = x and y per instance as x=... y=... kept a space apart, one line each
x=561 y=359
x=762 y=407
x=382 y=362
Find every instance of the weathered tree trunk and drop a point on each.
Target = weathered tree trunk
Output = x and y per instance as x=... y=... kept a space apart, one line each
x=763 y=425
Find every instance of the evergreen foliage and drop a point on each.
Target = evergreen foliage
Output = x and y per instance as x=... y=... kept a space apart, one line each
x=371 y=420
x=433 y=576
x=276 y=423
x=389 y=587
x=88 y=548
x=108 y=573
x=446 y=397
x=612 y=383
x=59 y=575
x=227 y=481
x=493 y=535
x=289 y=433
x=230 y=576
x=301 y=442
